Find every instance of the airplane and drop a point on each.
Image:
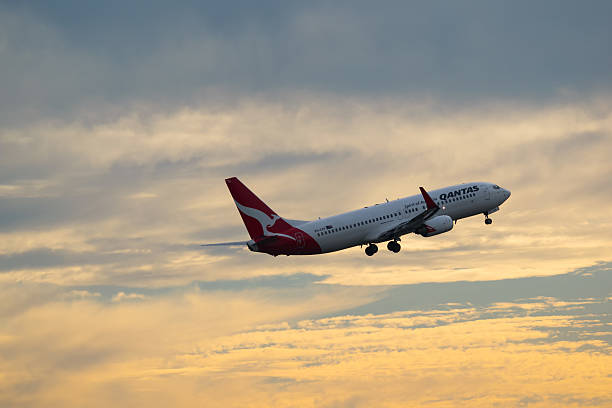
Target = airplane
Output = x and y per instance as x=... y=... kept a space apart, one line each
x=389 y=221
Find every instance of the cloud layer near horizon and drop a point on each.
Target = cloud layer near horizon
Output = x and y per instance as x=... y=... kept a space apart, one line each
x=288 y=341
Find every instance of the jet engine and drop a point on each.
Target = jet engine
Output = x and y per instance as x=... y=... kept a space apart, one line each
x=436 y=225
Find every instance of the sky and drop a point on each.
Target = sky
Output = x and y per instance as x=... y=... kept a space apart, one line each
x=119 y=123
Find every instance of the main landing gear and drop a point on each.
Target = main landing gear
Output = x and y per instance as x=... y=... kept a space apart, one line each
x=371 y=250
x=488 y=221
x=393 y=246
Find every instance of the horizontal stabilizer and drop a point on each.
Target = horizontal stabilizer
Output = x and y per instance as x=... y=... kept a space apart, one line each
x=238 y=243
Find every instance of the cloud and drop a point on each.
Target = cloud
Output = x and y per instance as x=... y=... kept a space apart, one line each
x=122 y=296
x=69 y=60
x=188 y=344
x=120 y=122
x=74 y=207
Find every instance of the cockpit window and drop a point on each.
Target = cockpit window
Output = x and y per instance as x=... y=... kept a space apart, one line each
x=496 y=187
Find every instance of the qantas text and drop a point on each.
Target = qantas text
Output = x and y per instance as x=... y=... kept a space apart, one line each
x=457 y=193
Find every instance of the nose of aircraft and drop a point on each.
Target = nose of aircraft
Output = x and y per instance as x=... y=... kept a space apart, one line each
x=506 y=194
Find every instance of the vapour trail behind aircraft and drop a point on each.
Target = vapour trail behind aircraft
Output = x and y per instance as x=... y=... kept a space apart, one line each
x=418 y=214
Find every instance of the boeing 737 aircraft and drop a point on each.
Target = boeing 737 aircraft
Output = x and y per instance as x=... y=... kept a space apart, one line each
x=419 y=214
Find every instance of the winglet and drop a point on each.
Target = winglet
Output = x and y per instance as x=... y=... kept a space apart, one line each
x=430 y=203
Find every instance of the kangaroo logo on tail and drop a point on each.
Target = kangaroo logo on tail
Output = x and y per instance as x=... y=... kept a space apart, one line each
x=255 y=213
x=264 y=219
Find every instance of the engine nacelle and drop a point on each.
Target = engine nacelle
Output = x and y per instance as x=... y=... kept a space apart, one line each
x=436 y=225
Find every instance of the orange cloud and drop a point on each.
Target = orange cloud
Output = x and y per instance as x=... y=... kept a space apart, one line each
x=222 y=349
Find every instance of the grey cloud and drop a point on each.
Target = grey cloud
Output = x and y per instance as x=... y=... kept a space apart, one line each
x=44 y=258
x=590 y=282
x=283 y=161
x=27 y=213
x=61 y=57
x=302 y=281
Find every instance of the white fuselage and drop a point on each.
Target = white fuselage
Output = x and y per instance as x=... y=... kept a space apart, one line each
x=360 y=226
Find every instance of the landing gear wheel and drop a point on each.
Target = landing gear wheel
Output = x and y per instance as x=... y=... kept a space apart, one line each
x=371 y=250
x=393 y=246
x=488 y=221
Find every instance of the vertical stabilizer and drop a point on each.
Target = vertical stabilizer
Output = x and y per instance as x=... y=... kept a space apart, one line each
x=259 y=219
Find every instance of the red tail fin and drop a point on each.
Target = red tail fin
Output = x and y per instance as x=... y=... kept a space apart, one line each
x=258 y=218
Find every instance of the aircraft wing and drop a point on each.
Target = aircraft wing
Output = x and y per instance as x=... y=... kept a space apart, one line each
x=406 y=227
